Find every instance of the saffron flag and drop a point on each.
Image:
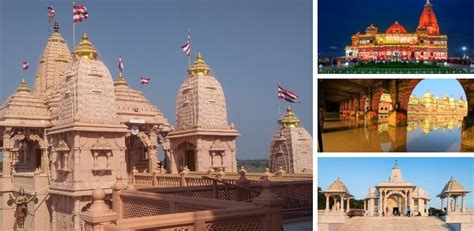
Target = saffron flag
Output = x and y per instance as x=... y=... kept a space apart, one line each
x=144 y=80
x=25 y=65
x=287 y=95
x=79 y=12
x=187 y=46
x=51 y=13
x=120 y=64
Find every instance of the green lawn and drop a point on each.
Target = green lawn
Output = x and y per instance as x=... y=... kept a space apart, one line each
x=398 y=66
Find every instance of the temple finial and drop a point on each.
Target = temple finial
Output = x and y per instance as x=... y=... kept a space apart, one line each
x=85 y=50
x=23 y=87
x=199 y=67
x=56 y=27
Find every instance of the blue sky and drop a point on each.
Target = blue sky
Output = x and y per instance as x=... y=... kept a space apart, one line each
x=440 y=87
x=358 y=174
x=339 y=20
x=250 y=45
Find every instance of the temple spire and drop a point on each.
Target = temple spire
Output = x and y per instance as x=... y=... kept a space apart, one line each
x=428 y=2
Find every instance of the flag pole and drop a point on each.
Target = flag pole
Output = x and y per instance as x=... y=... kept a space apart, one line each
x=73 y=28
x=189 y=56
x=279 y=103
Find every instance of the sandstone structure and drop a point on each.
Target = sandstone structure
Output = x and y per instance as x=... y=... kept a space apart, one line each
x=74 y=132
x=291 y=148
x=203 y=138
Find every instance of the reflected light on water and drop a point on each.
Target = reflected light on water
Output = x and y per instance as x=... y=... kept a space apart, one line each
x=424 y=133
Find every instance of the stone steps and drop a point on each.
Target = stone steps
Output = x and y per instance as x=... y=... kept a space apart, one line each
x=395 y=224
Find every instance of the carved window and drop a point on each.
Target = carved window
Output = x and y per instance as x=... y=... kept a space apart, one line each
x=101 y=159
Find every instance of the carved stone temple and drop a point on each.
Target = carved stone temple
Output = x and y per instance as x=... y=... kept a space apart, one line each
x=86 y=144
x=291 y=148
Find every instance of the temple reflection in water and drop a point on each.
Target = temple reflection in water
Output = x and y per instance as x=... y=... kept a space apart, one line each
x=357 y=116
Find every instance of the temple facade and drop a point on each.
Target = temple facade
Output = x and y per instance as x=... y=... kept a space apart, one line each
x=397 y=44
x=396 y=197
x=291 y=146
x=430 y=104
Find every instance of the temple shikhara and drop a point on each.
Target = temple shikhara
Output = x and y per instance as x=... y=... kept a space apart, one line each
x=81 y=147
x=426 y=43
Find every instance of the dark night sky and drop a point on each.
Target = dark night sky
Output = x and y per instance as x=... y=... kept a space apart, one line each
x=339 y=20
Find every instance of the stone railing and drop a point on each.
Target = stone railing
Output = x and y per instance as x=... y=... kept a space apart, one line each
x=139 y=210
x=195 y=179
x=225 y=219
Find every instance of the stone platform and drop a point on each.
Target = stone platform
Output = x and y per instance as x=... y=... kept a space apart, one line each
x=395 y=224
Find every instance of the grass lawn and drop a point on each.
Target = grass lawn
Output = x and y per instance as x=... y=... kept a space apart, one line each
x=398 y=66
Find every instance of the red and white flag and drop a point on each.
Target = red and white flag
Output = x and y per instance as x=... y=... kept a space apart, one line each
x=51 y=13
x=144 y=80
x=187 y=46
x=79 y=13
x=287 y=95
x=120 y=64
x=25 y=65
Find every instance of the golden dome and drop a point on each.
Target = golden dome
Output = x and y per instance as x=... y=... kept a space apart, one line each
x=290 y=120
x=23 y=87
x=85 y=50
x=120 y=81
x=199 y=67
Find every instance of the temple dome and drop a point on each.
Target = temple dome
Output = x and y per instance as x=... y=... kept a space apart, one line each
x=371 y=29
x=55 y=60
x=133 y=105
x=292 y=146
x=200 y=102
x=24 y=109
x=396 y=28
x=452 y=187
x=338 y=187
x=87 y=93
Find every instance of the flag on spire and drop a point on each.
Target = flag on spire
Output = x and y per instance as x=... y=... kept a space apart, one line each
x=79 y=12
x=120 y=64
x=144 y=80
x=187 y=46
x=287 y=95
x=25 y=65
x=51 y=13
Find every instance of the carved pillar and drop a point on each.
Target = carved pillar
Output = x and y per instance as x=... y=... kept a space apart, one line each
x=442 y=203
x=7 y=161
x=76 y=212
x=54 y=156
x=365 y=205
x=348 y=206
x=380 y=203
x=44 y=160
x=448 y=209
x=462 y=203
x=152 y=150
x=76 y=158
x=455 y=204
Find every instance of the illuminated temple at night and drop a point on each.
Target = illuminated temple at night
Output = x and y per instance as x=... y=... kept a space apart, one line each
x=398 y=44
